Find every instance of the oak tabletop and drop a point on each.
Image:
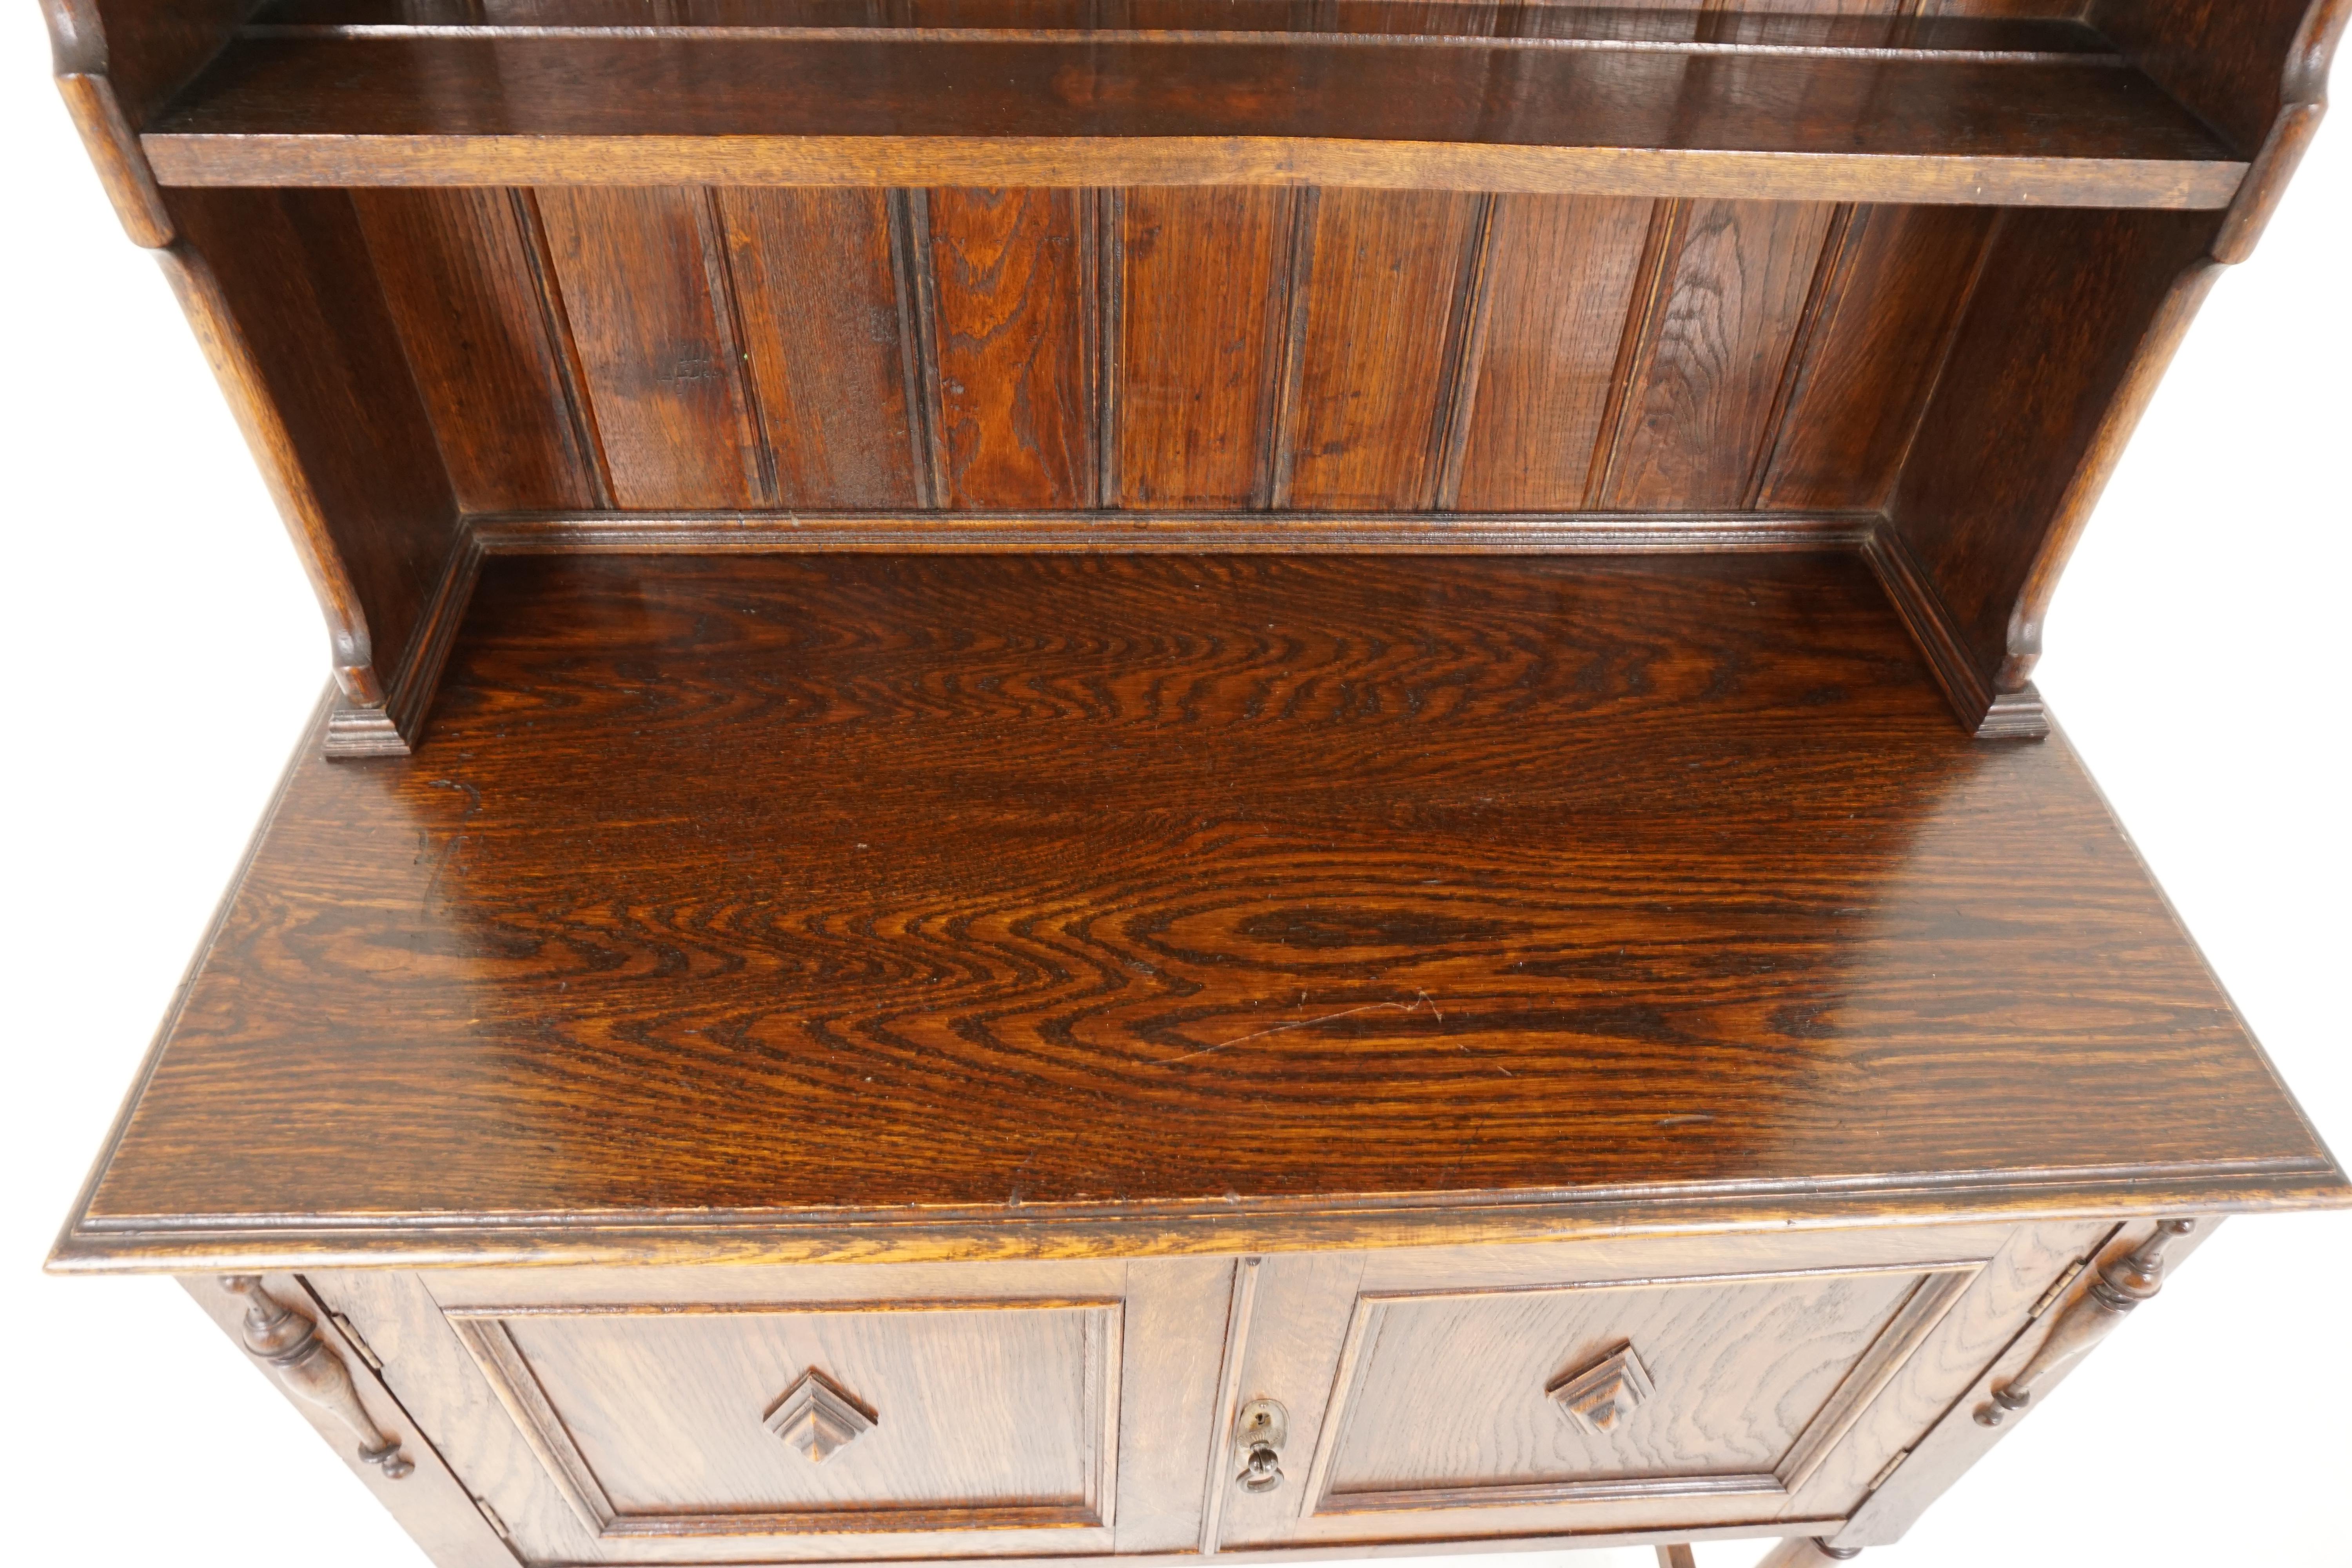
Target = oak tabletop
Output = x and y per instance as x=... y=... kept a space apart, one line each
x=832 y=905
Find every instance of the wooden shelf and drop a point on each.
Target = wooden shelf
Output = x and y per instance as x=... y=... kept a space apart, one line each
x=799 y=903
x=1549 y=100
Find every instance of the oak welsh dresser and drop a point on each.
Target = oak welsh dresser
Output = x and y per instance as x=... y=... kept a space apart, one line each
x=1123 y=779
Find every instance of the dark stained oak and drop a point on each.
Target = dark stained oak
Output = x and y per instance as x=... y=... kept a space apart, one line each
x=280 y=287
x=1387 y=275
x=1206 y=315
x=1899 y=283
x=683 y=106
x=462 y=281
x=1131 y=888
x=825 y=338
x=1143 y=671
x=646 y=289
x=1702 y=398
x=1562 y=278
x=2074 y=316
x=1995 y=27
x=1015 y=416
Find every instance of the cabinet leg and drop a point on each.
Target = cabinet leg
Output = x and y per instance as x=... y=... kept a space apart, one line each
x=1807 y=1551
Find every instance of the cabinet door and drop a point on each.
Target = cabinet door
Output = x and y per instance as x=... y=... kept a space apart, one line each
x=820 y=1413
x=1688 y=1384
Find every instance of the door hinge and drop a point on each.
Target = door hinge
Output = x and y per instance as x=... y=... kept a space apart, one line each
x=2058 y=1288
x=366 y=1352
x=1883 y=1475
x=490 y=1517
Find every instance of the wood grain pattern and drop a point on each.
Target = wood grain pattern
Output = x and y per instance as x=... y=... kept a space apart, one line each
x=1037 y=1391
x=1167 y=533
x=2066 y=304
x=1563 y=277
x=1491 y=1467
x=2123 y=1285
x=995 y=847
x=457 y=275
x=997 y=1409
x=1015 y=416
x=1904 y=278
x=282 y=291
x=431 y=1504
x=117 y=61
x=1954 y=1441
x=682 y=107
x=1703 y=396
x=1839 y=25
x=2237 y=62
x=823 y=328
x=658 y=346
x=798 y=897
x=307 y=1366
x=1449 y=1396
x=1206 y=305
x=1384 y=320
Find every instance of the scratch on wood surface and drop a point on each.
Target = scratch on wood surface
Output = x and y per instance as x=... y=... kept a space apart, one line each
x=1421 y=1000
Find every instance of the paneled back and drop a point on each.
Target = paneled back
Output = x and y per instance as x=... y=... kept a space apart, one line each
x=1199 y=347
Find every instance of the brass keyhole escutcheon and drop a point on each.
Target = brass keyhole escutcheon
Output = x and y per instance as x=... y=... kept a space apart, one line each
x=1260 y=1428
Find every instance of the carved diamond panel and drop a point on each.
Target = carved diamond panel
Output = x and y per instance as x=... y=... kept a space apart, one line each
x=1605 y=1392
x=818 y=1416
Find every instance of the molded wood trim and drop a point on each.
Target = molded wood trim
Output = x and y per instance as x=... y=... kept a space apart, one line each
x=1993 y=716
x=1939 y=1289
x=395 y=728
x=483 y=1331
x=1240 y=1307
x=1094 y=532
x=227 y=1244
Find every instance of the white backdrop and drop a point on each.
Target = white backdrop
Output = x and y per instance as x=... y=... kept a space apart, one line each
x=2198 y=660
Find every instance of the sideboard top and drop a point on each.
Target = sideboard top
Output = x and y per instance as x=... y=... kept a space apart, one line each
x=802 y=905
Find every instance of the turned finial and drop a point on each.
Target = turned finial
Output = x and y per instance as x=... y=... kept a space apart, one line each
x=2122 y=1284
x=288 y=1344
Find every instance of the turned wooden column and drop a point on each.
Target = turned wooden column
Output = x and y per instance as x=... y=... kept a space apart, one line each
x=288 y=1344
x=2121 y=1285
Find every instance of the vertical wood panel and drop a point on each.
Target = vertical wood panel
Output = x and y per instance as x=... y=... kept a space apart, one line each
x=1103 y=252
x=918 y=316
x=822 y=339
x=1384 y=317
x=655 y=345
x=2020 y=429
x=458 y=278
x=1205 y=301
x=1562 y=278
x=1701 y=401
x=1903 y=283
x=1011 y=297
x=293 y=269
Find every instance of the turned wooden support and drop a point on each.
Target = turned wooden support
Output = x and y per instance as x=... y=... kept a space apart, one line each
x=2122 y=1284
x=289 y=1344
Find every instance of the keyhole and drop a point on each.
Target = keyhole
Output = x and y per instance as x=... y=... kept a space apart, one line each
x=1259 y=1429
